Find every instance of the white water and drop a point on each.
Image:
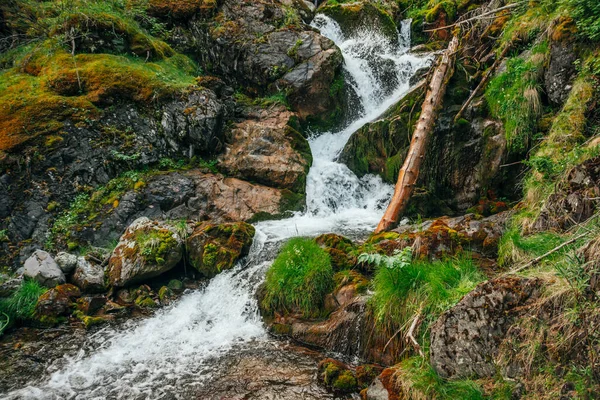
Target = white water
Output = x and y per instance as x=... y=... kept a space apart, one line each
x=180 y=346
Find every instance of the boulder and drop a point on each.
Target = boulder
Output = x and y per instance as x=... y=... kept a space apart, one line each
x=447 y=236
x=356 y=16
x=146 y=249
x=466 y=338
x=42 y=268
x=267 y=150
x=56 y=302
x=67 y=262
x=214 y=248
x=337 y=377
x=89 y=277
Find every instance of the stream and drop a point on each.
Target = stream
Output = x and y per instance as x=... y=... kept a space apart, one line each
x=211 y=343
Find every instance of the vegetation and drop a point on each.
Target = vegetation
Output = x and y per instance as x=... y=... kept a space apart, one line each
x=514 y=97
x=299 y=279
x=20 y=306
x=403 y=287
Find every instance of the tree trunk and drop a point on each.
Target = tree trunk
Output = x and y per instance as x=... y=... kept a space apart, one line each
x=409 y=173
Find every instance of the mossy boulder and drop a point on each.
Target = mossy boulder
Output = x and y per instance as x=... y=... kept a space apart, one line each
x=146 y=249
x=353 y=17
x=214 y=248
x=181 y=9
x=340 y=249
x=56 y=303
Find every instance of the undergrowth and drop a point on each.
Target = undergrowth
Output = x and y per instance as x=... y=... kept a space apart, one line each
x=20 y=306
x=299 y=279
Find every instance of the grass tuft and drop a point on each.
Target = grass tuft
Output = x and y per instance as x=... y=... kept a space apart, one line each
x=299 y=279
x=20 y=306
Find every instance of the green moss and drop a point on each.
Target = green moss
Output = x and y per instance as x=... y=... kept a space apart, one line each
x=299 y=279
x=345 y=382
x=155 y=245
x=144 y=301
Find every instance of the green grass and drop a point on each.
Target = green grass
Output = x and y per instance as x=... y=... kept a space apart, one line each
x=299 y=279
x=20 y=306
x=418 y=375
x=514 y=97
x=431 y=287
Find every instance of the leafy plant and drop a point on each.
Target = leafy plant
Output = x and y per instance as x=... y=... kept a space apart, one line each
x=299 y=278
x=586 y=14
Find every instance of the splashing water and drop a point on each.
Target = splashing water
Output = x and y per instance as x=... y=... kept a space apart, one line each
x=181 y=346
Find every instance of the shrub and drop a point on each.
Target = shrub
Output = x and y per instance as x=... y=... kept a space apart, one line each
x=20 y=306
x=299 y=278
x=586 y=13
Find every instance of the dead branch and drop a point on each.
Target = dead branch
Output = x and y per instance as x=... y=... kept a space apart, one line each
x=483 y=82
x=411 y=331
x=480 y=16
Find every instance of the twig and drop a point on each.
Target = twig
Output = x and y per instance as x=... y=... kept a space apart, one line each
x=411 y=330
x=513 y=5
x=483 y=82
x=74 y=60
x=511 y=164
x=554 y=250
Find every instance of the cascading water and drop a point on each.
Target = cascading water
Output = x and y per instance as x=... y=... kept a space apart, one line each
x=183 y=346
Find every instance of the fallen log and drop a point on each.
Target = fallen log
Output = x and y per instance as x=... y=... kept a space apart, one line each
x=407 y=177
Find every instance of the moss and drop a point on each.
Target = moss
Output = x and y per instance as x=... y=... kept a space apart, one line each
x=345 y=382
x=340 y=250
x=181 y=9
x=373 y=239
x=89 y=321
x=165 y=294
x=215 y=248
x=352 y=17
x=144 y=301
x=155 y=245
x=175 y=285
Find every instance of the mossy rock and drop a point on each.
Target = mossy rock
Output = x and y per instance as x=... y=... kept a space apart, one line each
x=362 y=15
x=341 y=250
x=146 y=250
x=337 y=377
x=181 y=9
x=214 y=248
x=56 y=303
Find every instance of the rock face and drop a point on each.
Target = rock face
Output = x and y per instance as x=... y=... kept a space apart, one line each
x=89 y=277
x=465 y=339
x=146 y=249
x=192 y=195
x=561 y=70
x=42 y=268
x=463 y=159
x=269 y=151
x=573 y=202
x=265 y=46
x=214 y=248
x=127 y=137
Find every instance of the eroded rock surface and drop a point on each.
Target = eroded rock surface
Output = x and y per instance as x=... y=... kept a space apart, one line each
x=466 y=338
x=42 y=268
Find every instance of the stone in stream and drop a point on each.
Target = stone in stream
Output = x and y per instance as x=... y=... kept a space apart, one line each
x=215 y=248
x=42 y=268
x=146 y=249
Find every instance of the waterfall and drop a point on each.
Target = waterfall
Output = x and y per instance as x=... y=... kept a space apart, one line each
x=184 y=345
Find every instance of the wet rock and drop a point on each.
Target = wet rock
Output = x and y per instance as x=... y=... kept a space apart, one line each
x=126 y=138
x=269 y=151
x=146 y=249
x=89 y=276
x=383 y=387
x=67 y=262
x=462 y=163
x=42 y=268
x=561 y=70
x=56 y=303
x=466 y=338
x=214 y=248
x=165 y=295
x=175 y=285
